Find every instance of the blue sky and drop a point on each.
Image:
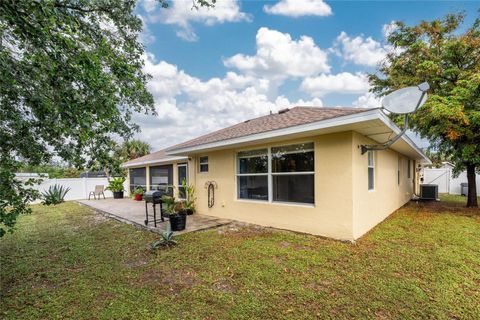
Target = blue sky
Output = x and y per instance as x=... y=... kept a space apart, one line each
x=213 y=68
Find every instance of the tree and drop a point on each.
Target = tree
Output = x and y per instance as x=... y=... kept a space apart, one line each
x=132 y=149
x=70 y=79
x=449 y=59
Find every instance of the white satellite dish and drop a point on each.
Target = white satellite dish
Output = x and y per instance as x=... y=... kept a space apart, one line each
x=403 y=101
x=406 y=100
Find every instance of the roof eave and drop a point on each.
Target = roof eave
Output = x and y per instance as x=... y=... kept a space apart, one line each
x=374 y=114
x=385 y=119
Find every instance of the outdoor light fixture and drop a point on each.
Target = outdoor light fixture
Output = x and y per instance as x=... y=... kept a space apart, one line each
x=403 y=101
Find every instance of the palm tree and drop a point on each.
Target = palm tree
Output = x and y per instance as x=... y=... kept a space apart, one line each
x=132 y=149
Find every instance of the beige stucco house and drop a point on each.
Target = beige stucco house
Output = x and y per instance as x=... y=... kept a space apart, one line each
x=300 y=169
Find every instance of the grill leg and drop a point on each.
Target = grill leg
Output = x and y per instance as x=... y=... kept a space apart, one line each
x=146 y=213
x=161 y=212
x=154 y=215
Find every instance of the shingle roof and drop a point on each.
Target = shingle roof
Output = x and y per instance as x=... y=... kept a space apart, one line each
x=292 y=117
x=158 y=156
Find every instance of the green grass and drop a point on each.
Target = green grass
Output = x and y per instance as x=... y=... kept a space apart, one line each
x=68 y=262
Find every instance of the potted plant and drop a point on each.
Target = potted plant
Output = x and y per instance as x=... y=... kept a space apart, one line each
x=189 y=203
x=116 y=186
x=138 y=194
x=176 y=213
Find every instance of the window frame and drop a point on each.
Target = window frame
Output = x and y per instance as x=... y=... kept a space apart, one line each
x=399 y=174
x=200 y=163
x=132 y=186
x=238 y=174
x=169 y=187
x=181 y=165
x=409 y=169
x=371 y=166
x=270 y=174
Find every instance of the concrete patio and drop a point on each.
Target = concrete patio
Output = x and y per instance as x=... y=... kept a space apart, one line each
x=133 y=212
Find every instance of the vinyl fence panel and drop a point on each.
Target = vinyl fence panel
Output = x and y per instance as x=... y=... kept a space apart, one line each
x=79 y=187
x=443 y=177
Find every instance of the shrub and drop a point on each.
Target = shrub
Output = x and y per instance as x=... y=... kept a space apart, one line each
x=54 y=195
x=165 y=241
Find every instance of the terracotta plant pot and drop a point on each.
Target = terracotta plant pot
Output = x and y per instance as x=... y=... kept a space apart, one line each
x=138 y=197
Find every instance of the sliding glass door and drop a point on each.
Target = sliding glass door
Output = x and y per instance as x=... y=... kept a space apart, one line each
x=138 y=178
x=182 y=176
x=161 y=178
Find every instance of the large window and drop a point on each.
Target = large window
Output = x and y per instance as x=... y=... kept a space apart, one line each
x=252 y=174
x=161 y=178
x=138 y=178
x=279 y=174
x=371 y=170
x=293 y=173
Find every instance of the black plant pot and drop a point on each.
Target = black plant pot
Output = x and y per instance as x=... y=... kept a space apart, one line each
x=189 y=211
x=178 y=222
x=117 y=194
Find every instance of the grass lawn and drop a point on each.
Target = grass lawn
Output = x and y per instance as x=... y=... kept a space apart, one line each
x=68 y=262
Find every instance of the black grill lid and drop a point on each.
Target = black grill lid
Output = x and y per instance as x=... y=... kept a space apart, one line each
x=152 y=195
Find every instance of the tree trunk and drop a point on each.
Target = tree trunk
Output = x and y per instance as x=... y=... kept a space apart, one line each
x=472 y=187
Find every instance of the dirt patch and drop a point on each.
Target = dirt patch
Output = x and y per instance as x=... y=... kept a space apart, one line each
x=294 y=246
x=242 y=230
x=99 y=218
x=172 y=280
x=106 y=296
x=439 y=207
x=136 y=263
x=284 y=244
x=380 y=314
x=224 y=285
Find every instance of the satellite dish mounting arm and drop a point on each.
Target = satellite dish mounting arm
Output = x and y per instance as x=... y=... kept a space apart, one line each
x=387 y=144
x=423 y=87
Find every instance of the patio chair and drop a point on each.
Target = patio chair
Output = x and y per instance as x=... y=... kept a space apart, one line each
x=98 y=191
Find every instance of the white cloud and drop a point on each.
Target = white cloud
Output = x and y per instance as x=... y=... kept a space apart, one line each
x=150 y=5
x=389 y=28
x=368 y=100
x=188 y=107
x=182 y=13
x=342 y=83
x=278 y=57
x=146 y=36
x=360 y=50
x=298 y=8
x=283 y=102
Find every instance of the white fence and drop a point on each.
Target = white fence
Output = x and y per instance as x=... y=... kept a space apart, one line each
x=446 y=182
x=79 y=187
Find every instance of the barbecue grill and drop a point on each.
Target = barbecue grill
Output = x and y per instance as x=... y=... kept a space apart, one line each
x=153 y=197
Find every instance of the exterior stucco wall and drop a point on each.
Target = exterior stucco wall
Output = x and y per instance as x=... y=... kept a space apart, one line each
x=330 y=216
x=344 y=208
x=370 y=207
